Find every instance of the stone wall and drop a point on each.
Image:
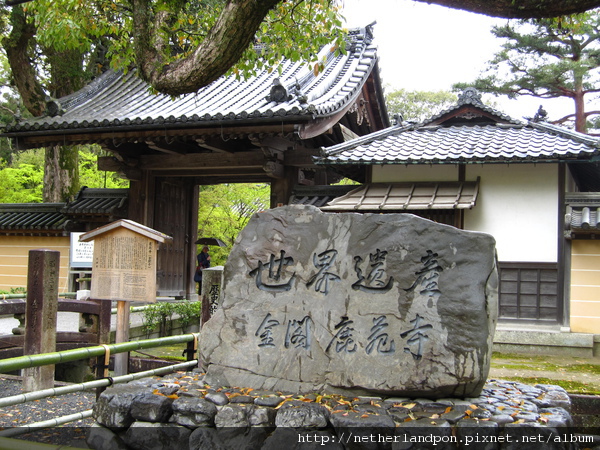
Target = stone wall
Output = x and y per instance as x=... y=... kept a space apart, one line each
x=181 y=411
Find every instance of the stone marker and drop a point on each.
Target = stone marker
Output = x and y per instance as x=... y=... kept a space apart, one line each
x=40 y=316
x=354 y=304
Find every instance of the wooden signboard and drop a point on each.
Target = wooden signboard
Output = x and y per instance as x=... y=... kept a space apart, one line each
x=124 y=269
x=124 y=263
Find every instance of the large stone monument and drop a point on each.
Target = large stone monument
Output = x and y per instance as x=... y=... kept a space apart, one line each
x=354 y=304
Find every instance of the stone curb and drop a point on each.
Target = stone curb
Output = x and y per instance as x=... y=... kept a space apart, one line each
x=157 y=412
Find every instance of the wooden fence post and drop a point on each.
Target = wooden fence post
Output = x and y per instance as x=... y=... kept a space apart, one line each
x=41 y=315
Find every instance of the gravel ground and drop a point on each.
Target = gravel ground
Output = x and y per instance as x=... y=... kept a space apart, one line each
x=71 y=434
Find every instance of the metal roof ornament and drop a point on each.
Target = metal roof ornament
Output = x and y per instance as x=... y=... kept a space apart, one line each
x=541 y=115
x=297 y=91
x=470 y=96
x=53 y=107
x=279 y=93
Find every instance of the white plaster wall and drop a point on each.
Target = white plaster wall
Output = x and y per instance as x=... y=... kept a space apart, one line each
x=518 y=205
x=399 y=173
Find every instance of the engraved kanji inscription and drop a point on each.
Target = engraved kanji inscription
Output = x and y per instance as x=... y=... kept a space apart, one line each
x=265 y=331
x=428 y=276
x=344 y=337
x=275 y=274
x=213 y=295
x=375 y=280
x=416 y=337
x=298 y=334
x=379 y=339
x=321 y=280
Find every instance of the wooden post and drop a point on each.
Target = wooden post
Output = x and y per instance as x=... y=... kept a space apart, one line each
x=41 y=315
x=102 y=327
x=124 y=269
x=122 y=335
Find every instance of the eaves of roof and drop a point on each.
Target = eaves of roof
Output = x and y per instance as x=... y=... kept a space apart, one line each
x=59 y=218
x=393 y=197
x=45 y=217
x=124 y=102
x=97 y=202
x=463 y=144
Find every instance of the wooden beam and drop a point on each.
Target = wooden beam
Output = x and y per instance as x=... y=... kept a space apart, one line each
x=222 y=172
x=301 y=157
x=202 y=161
x=36 y=139
x=214 y=145
x=176 y=148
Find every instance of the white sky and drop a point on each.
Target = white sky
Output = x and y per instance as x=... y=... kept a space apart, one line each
x=428 y=48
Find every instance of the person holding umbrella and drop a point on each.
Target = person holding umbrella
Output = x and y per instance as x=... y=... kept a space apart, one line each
x=204 y=258
x=203 y=263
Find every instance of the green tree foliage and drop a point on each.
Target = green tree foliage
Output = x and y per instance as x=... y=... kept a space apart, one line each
x=90 y=176
x=417 y=106
x=548 y=58
x=54 y=47
x=224 y=210
x=21 y=178
x=21 y=184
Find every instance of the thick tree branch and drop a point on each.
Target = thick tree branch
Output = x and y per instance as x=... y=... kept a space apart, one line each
x=224 y=45
x=521 y=9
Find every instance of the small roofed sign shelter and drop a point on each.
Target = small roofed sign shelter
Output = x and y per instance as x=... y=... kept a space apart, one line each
x=124 y=269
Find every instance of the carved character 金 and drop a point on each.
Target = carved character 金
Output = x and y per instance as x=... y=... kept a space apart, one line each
x=275 y=267
x=265 y=331
x=416 y=336
x=427 y=277
x=374 y=281
x=378 y=339
x=298 y=333
x=344 y=340
x=323 y=261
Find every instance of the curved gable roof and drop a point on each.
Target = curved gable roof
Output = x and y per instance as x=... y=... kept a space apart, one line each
x=290 y=93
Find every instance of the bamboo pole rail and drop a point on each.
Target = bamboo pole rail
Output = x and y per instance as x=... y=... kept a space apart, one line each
x=23 y=362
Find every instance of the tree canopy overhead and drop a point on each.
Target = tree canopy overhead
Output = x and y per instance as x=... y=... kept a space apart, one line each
x=241 y=22
x=548 y=58
x=521 y=9
x=180 y=46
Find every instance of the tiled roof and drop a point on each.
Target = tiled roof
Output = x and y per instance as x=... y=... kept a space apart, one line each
x=115 y=100
x=470 y=96
x=468 y=132
x=501 y=142
x=58 y=218
x=40 y=217
x=585 y=218
x=408 y=197
x=318 y=196
x=97 y=201
x=583 y=213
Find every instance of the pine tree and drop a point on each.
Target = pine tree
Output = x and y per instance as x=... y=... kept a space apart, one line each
x=548 y=58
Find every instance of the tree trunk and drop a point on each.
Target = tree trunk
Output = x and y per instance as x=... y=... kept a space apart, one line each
x=580 y=115
x=61 y=173
x=17 y=45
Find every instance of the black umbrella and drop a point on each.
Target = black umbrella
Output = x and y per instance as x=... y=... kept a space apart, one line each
x=211 y=241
